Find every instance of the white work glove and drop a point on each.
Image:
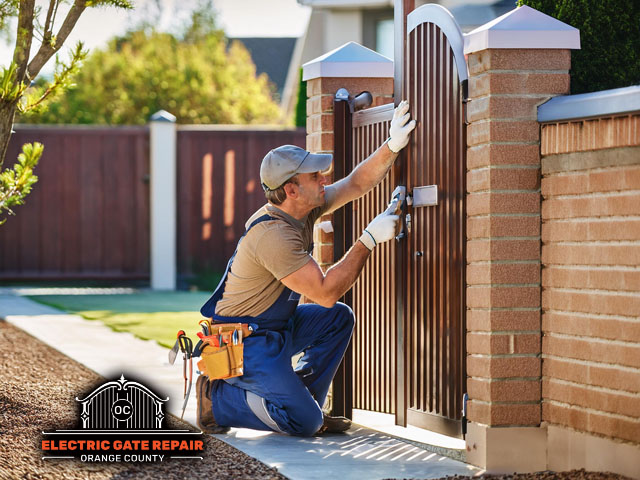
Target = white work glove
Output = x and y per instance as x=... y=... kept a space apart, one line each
x=382 y=228
x=400 y=128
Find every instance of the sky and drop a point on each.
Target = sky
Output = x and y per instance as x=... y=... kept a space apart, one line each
x=239 y=18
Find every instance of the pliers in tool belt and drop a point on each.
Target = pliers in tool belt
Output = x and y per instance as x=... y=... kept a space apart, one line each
x=186 y=346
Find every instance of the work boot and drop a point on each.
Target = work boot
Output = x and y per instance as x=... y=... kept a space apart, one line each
x=334 y=424
x=204 y=414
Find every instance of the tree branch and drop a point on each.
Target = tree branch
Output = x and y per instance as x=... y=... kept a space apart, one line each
x=23 y=38
x=47 y=50
x=48 y=24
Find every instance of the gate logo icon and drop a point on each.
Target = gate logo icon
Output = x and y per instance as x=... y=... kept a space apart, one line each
x=122 y=405
x=122 y=409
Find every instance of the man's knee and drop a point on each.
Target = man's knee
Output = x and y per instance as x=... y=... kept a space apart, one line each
x=309 y=423
x=345 y=314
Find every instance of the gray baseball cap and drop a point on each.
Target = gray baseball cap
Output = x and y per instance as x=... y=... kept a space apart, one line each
x=282 y=163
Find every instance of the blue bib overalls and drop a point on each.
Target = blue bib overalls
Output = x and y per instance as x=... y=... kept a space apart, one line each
x=272 y=395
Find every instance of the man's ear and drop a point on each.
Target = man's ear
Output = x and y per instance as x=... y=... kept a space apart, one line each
x=291 y=189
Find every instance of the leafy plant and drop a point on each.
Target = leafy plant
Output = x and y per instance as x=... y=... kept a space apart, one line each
x=301 y=105
x=194 y=74
x=609 y=38
x=17 y=77
x=16 y=183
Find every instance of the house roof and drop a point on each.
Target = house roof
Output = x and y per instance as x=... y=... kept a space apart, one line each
x=471 y=15
x=271 y=56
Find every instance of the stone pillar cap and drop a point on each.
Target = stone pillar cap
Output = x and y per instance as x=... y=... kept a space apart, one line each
x=163 y=116
x=523 y=27
x=349 y=60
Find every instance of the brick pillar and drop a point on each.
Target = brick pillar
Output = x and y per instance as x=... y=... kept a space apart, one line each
x=506 y=85
x=357 y=69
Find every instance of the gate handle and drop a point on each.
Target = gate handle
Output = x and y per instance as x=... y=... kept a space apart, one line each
x=400 y=193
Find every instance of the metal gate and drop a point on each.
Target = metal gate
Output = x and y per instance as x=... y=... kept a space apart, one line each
x=408 y=350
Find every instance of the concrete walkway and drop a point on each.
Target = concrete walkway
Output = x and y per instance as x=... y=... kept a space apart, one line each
x=360 y=453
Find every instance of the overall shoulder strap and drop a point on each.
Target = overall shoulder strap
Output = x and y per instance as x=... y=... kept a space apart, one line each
x=208 y=309
x=258 y=220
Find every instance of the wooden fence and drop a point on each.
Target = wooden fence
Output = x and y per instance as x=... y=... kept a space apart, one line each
x=88 y=215
x=218 y=189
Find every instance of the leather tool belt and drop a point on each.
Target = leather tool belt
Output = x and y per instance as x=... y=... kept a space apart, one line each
x=222 y=349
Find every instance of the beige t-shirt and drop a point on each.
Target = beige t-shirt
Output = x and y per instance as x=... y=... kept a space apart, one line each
x=270 y=251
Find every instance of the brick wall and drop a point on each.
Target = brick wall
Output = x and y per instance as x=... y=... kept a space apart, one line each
x=590 y=276
x=503 y=230
x=321 y=92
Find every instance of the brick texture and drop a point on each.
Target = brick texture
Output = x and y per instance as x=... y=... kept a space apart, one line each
x=503 y=178
x=593 y=229
x=502 y=108
x=485 y=155
x=503 y=226
x=502 y=131
x=590 y=253
x=502 y=414
x=624 y=428
x=602 y=400
x=519 y=83
x=518 y=59
x=324 y=86
x=591 y=374
x=592 y=325
x=594 y=134
x=503 y=390
x=504 y=230
x=503 y=320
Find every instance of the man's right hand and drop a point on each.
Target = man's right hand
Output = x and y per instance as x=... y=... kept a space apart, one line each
x=383 y=227
x=400 y=128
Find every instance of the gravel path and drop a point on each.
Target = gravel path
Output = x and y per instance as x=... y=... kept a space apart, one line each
x=38 y=386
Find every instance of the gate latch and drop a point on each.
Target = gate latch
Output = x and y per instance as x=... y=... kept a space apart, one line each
x=426 y=196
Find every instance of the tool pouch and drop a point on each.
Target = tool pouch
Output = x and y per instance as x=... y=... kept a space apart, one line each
x=223 y=352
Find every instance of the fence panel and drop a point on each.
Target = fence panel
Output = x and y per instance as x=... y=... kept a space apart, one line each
x=88 y=214
x=219 y=188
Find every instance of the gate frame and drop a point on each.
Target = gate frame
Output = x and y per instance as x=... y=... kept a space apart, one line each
x=445 y=22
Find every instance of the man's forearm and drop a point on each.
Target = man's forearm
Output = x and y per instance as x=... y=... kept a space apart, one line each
x=370 y=172
x=341 y=276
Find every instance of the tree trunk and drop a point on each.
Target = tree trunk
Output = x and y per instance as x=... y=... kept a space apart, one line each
x=7 y=114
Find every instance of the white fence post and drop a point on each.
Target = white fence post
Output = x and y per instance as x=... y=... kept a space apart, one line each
x=162 y=128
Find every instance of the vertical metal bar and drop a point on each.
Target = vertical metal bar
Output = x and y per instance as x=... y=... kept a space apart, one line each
x=441 y=229
x=433 y=231
x=342 y=383
x=419 y=223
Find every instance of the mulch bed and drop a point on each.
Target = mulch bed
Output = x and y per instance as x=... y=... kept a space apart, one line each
x=38 y=386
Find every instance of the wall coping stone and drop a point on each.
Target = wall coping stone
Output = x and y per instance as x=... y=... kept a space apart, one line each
x=595 y=104
x=350 y=60
x=523 y=27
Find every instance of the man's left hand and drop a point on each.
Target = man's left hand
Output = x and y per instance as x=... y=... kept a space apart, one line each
x=401 y=127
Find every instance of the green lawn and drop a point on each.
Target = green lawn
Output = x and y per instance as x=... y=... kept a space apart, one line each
x=148 y=315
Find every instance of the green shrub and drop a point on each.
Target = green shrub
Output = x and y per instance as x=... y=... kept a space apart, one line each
x=301 y=106
x=609 y=37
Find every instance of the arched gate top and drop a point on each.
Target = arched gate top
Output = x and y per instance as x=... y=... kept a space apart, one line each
x=440 y=16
